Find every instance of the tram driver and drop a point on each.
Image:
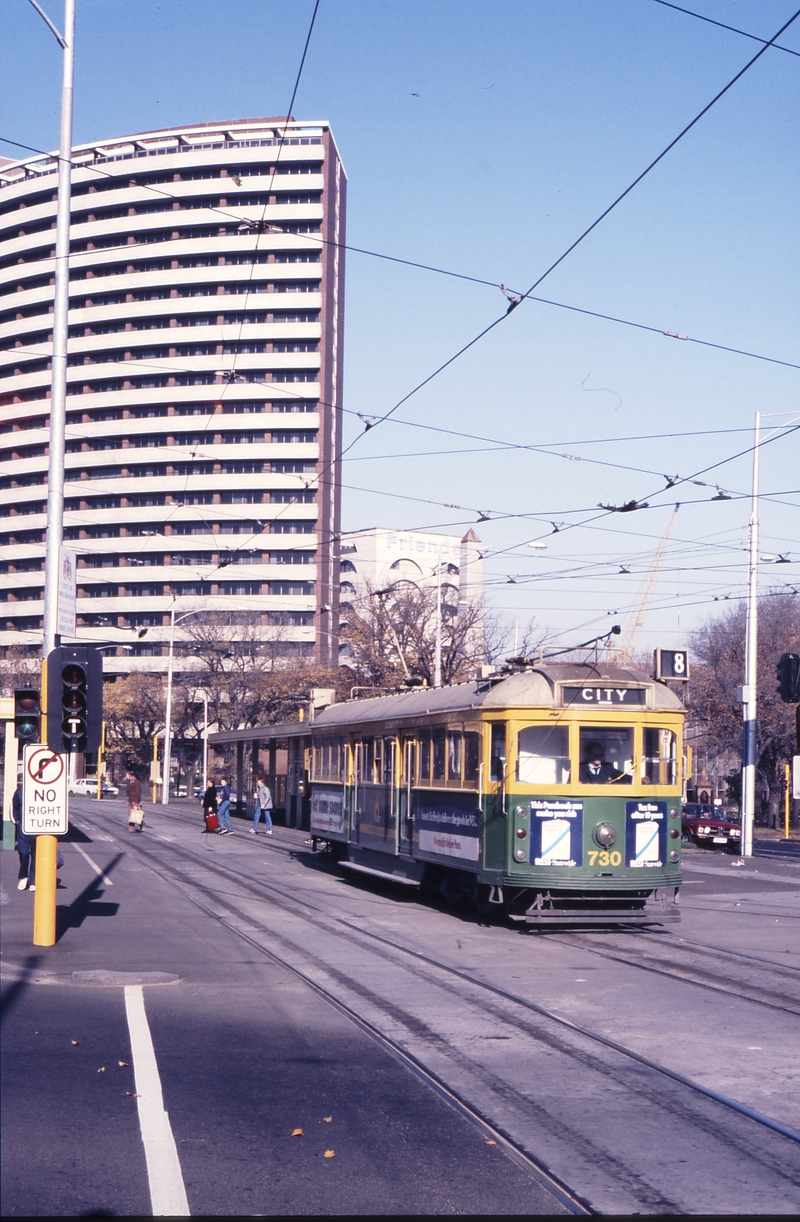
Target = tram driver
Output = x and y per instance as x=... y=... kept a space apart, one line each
x=595 y=770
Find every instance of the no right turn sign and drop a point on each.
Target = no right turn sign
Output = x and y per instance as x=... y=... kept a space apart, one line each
x=44 y=791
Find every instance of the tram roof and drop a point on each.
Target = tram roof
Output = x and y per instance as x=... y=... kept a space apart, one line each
x=535 y=687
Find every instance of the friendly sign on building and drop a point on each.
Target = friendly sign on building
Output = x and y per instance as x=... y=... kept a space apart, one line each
x=44 y=791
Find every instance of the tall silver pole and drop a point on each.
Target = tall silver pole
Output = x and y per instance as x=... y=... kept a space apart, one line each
x=168 y=717
x=437 y=662
x=205 y=742
x=749 y=709
x=58 y=393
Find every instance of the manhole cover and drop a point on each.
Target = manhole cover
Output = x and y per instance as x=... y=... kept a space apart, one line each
x=104 y=978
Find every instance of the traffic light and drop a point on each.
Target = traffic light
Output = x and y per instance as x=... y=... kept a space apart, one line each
x=788 y=673
x=27 y=715
x=74 y=698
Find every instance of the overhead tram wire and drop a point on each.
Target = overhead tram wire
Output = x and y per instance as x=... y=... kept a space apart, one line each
x=317 y=239
x=723 y=26
x=517 y=301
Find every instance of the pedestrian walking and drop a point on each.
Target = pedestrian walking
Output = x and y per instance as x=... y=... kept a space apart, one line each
x=263 y=807
x=224 y=808
x=135 y=809
x=210 y=809
x=25 y=846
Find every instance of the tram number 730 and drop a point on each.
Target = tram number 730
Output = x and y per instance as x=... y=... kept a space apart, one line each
x=604 y=858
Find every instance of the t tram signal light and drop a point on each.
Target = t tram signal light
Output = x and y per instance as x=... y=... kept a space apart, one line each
x=788 y=675
x=27 y=715
x=74 y=699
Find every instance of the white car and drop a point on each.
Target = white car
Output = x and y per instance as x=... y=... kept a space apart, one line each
x=86 y=787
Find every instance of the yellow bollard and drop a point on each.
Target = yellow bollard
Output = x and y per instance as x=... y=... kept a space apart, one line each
x=44 y=905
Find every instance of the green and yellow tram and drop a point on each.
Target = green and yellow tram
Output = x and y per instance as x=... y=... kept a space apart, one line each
x=554 y=792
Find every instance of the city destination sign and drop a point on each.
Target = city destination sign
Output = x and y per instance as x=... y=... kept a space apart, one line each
x=591 y=694
x=44 y=791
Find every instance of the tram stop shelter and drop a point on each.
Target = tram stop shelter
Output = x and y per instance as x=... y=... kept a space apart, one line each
x=281 y=753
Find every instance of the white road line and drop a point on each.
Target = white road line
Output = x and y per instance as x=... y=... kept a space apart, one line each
x=94 y=865
x=167 y=1190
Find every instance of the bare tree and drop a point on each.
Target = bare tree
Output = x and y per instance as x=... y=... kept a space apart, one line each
x=392 y=636
x=716 y=714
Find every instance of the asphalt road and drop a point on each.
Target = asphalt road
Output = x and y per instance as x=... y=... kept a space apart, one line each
x=247 y=1054
x=589 y=1051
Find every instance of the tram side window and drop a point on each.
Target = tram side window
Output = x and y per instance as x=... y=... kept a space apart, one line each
x=366 y=756
x=454 y=754
x=388 y=761
x=606 y=755
x=543 y=755
x=438 y=755
x=425 y=757
x=660 y=758
x=472 y=756
x=498 y=751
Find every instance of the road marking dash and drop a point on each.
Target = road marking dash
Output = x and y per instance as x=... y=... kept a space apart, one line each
x=167 y=1189
x=94 y=865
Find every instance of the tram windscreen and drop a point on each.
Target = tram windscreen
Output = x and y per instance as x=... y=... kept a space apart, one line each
x=543 y=755
x=606 y=755
x=659 y=761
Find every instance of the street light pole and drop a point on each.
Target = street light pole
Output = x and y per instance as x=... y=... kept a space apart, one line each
x=58 y=391
x=168 y=714
x=749 y=703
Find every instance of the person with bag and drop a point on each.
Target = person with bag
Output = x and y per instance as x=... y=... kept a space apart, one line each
x=210 y=809
x=263 y=807
x=224 y=808
x=135 y=809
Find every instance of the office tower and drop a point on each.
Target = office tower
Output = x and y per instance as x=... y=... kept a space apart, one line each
x=204 y=386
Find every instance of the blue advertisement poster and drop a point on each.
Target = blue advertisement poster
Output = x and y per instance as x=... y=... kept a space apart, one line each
x=556 y=832
x=449 y=824
x=645 y=834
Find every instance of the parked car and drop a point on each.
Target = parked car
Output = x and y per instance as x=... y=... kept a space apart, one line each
x=86 y=787
x=709 y=825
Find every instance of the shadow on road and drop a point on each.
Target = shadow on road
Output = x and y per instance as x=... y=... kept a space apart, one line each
x=12 y=993
x=88 y=903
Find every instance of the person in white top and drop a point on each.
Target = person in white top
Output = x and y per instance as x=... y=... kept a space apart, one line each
x=263 y=807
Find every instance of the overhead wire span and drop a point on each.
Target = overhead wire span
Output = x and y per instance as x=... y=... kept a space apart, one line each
x=723 y=26
x=517 y=299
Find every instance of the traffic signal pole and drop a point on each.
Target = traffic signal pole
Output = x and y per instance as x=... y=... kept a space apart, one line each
x=44 y=915
x=749 y=706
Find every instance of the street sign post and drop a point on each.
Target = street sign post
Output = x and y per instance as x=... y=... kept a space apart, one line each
x=44 y=791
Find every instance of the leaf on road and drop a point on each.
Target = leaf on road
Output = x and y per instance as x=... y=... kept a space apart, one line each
x=74 y=1043
x=490 y=1142
x=298 y=1133
x=327 y=1119
x=329 y=1154
x=123 y=1064
x=132 y=1094
x=102 y=1069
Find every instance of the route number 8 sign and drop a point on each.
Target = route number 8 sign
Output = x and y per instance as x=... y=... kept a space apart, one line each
x=671 y=664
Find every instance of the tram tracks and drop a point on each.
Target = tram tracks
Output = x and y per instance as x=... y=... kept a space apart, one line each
x=530 y=1074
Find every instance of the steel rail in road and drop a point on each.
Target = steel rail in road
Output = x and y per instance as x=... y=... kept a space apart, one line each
x=630 y=960
x=319 y=918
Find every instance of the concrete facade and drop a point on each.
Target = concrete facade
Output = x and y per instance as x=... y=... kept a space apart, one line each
x=378 y=558
x=204 y=409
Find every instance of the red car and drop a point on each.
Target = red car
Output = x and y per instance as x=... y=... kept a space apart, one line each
x=709 y=826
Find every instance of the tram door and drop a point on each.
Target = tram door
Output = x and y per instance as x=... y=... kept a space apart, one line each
x=356 y=792
x=405 y=814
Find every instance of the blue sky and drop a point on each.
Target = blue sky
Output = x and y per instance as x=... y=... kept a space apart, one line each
x=483 y=138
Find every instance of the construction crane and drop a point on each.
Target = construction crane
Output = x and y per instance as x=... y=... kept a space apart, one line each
x=633 y=628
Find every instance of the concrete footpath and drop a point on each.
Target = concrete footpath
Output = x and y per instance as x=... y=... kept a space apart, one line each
x=154 y=1062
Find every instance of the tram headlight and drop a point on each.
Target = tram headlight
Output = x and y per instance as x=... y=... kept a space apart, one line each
x=605 y=834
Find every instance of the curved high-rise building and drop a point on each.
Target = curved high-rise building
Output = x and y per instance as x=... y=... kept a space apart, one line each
x=204 y=385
